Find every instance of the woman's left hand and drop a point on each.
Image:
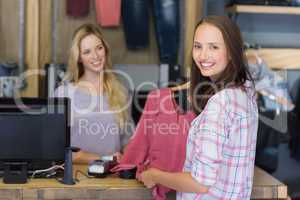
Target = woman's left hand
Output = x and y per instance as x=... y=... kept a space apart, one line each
x=147 y=177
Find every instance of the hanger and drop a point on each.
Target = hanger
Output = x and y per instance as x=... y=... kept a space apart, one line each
x=181 y=96
x=183 y=86
x=280 y=100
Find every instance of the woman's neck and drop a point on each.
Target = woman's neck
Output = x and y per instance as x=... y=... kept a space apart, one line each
x=92 y=84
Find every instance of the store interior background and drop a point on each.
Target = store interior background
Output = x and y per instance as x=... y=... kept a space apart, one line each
x=263 y=30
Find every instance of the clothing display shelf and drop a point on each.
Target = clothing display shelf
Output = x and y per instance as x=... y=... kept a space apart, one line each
x=277 y=58
x=286 y=10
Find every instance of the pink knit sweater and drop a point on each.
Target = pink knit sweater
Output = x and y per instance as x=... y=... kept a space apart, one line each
x=160 y=138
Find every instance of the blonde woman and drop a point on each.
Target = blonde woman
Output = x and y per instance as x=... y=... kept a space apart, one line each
x=100 y=122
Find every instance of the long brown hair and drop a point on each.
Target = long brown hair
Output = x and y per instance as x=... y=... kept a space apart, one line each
x=236 y=72
x=116 y=93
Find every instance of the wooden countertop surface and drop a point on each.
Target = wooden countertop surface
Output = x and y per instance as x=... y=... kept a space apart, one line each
x=265 y=186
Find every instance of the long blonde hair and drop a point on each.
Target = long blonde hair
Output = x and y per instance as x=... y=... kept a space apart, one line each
x=116 y=93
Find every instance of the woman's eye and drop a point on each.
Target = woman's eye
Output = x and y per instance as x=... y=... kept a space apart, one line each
x=213 y=47
x=100 y=47
x=85 y=52
x=196 y=46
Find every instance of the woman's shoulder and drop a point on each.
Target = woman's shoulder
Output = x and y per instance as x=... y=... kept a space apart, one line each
x=64 y=90
x=236 y=93
x=236 y=100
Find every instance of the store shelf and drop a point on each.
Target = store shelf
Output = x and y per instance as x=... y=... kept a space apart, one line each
x=279 y=58
x=287 y=10
x=276 y=58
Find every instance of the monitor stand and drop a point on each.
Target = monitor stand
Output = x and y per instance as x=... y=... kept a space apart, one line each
x=15 y=172
x=68 y=172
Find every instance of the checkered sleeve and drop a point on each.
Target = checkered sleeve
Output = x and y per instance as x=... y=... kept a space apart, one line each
x=209 y=139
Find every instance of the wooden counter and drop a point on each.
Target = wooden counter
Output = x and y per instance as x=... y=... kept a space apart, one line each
x=265 y=187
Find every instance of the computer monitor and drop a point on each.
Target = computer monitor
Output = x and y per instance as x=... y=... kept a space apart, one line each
x=34 y=132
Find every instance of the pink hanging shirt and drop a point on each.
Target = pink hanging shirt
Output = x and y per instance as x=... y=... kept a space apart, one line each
x=108 y=12
x=160 y=138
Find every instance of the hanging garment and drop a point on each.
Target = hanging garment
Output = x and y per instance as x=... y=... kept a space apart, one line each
x=8 y=68
x=167 y=29
x=160 y=138
x=214 y=7
x=294 y=123
x=272 y=86
x=77 y=8
x=108 y=12
x=268 y=141
x=8 y=81
x=273 y=102
x=135 y=15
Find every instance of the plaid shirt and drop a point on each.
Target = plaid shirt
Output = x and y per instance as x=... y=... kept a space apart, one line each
x=221 y=146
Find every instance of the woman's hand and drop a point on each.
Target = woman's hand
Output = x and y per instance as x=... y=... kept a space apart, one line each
x=147 y=177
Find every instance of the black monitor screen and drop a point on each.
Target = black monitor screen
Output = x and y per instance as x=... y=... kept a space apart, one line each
x=34 y=130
